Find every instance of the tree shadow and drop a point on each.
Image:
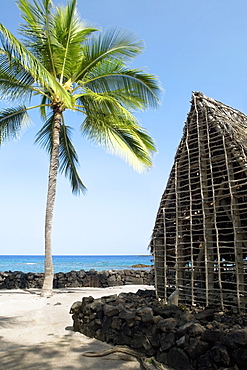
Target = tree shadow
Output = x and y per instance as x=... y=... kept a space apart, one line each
x=6 y=322
x=56 y=291
x=65 y=352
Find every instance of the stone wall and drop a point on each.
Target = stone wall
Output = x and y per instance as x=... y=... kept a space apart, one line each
x=92 y=278
x=182 y=338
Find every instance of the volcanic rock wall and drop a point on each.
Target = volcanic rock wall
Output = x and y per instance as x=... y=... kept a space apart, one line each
x=72 y=279
x=183 y=338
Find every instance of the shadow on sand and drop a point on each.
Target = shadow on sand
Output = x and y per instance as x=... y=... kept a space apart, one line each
x=62 y=353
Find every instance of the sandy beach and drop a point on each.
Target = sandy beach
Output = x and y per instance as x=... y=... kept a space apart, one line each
x=36 y=332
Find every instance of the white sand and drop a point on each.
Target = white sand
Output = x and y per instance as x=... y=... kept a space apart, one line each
x=36 y=332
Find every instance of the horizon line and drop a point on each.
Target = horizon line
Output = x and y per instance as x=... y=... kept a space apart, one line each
x=118 y=254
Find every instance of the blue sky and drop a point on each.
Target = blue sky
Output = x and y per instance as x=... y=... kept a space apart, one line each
x=192 y=45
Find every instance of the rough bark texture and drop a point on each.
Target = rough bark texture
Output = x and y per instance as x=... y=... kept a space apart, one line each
x=54 y=163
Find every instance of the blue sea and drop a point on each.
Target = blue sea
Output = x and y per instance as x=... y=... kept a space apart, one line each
x=35 y=263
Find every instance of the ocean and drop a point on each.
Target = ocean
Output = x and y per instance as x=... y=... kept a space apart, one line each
x=35 y=263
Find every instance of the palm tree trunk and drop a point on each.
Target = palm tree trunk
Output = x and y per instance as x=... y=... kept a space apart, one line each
x=52 y=182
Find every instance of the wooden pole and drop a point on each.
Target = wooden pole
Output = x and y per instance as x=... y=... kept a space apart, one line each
x=236 y=222
x=217 y=269
x=207 y=224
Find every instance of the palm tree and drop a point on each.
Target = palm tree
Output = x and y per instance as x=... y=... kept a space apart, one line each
x=70 y=65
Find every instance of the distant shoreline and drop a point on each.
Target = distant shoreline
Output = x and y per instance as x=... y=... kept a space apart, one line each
x=67 y=263
x=79 y=255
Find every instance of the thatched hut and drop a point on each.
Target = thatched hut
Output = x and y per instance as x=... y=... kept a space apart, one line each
x=199 y=240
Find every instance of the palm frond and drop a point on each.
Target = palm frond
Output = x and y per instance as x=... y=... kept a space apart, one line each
x=68 y=160
x=70 y=33
x=37 y=30
x=70 y=9
x=15 y=82
x=54 y=35
x=114 y=43
x=14 y=48
x=44 y=135
x=105 y=103
x=12 y=122
x=123 y=138
x=108 y=76
x=43 y=106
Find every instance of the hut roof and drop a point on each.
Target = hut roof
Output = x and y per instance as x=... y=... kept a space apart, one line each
x=231 y=121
